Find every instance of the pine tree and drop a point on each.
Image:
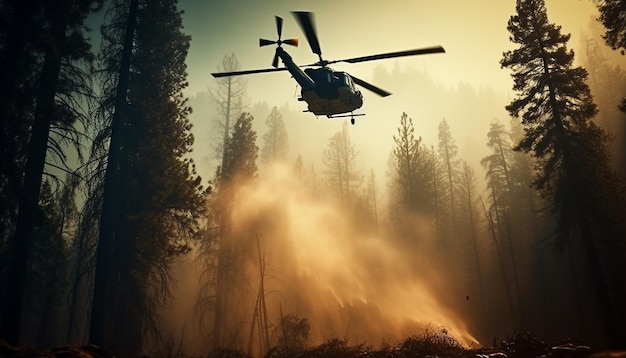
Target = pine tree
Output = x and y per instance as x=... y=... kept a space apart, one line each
x=59 y=41
x=339 y=157
x=608 y=85
x=47 y=270
x=160 y=199
x=241 y=152
x=239 y=168
x=276 y=140
x=411 y=186
x=448 y=175
x=21 y=25
x=471 y=258
x=573 y=171
x=499 y=182
x=115 y=60
x=613 y=17
x=405 y=157
x=229 y=97
x=497 y=166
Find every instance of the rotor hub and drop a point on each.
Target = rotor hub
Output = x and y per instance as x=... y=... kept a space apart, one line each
x=279 y=41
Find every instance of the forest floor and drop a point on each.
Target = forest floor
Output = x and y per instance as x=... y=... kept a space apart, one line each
x=520 y=346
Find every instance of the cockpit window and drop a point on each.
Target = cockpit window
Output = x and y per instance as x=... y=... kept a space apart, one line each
x=343 y=79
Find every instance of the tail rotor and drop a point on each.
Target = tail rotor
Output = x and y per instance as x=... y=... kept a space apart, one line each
x=279 y=42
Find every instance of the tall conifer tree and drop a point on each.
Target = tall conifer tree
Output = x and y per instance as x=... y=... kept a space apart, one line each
x=339 y=158
x=573 y=171
x=38 y=90
x=159 y=196
x=276 y=140
x=240 y=156
x=411 y=184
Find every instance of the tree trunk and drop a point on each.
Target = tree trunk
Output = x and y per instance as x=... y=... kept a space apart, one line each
x=612 y=327
x=494 y=234
x=470 y=209
x=226 y=126
x=12 y=102
x=222 y=286
x=31 y=187
x=105 y=248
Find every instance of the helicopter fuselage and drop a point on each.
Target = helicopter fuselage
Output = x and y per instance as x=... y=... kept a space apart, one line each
x=327 y=92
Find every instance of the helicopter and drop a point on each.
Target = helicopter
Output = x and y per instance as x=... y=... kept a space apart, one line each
x=327 y=92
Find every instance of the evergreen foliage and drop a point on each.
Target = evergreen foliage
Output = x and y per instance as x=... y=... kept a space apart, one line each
x=412 y=178
x=228 y=260
x=44 y=82
x=573 y=172
x=447 y=174
x=160 y=199
x=339 y=158
x=241 y=152
x=229 y=97
x=275 y=140
x=613 y=17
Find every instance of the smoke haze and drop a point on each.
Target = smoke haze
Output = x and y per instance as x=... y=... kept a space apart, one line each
x=322 y=266
x=349 y=278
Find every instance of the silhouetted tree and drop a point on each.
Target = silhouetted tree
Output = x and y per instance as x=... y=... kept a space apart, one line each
x=241 y=152
x=499 y=182
x=240 y=167
x=47 y=271
x=573 y=172
x=528 y=203
x=229 y=97
x=58 y=40
x=339 y=158
x=447 y=175
x=275 y=140
x=608 y=86
x=21 y=25
x=115 y=59
x=613 y=17
x=160 y=199
x=411 y=186
x=471 y=250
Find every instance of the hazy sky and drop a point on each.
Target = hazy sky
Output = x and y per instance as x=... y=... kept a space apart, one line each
x=473 y=33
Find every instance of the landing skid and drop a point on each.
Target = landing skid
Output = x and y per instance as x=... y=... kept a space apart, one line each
x=351 y=115
x=333 y=116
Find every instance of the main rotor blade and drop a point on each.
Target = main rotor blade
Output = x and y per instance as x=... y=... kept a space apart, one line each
x=305 y=20
x=246 y=72
x=379 y=91
x=422 y=51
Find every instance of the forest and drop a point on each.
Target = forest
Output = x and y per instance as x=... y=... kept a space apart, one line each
x=117 y=232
